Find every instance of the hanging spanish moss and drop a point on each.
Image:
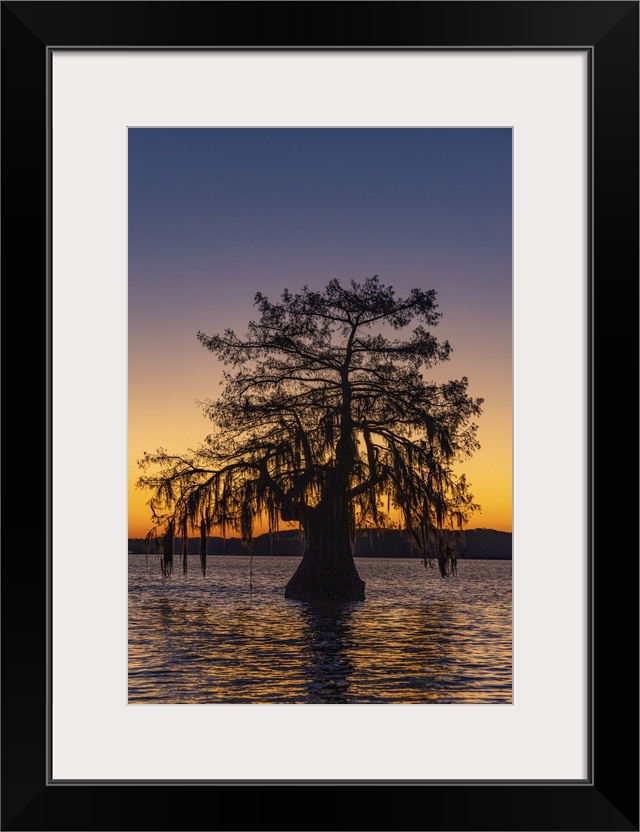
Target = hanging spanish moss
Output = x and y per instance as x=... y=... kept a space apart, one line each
x=203 y=547
x=167 y=552
x=185 y=541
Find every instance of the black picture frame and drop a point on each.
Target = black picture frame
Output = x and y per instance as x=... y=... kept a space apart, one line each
x=608 y=798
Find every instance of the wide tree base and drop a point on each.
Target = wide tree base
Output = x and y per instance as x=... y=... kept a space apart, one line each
x=313 y=584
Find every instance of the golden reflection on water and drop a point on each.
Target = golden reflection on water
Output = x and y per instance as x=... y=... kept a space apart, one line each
x=415 y=639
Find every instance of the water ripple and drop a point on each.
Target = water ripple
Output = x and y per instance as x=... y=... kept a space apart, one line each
x=416 y=639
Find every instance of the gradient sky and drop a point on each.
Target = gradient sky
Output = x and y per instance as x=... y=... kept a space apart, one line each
x=218 y=214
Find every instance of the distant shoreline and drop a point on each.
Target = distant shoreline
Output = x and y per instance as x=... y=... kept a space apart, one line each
x=473 y=544
x=356 y=557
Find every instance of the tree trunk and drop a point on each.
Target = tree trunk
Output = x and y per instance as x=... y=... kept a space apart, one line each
x=327 y=571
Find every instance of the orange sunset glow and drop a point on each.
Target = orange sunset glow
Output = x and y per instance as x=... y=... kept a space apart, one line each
x=216 y=215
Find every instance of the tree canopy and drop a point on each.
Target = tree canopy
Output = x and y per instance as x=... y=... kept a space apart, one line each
x=326 y=421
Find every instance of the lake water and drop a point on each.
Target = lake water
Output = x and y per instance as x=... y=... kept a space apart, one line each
x=232 y=637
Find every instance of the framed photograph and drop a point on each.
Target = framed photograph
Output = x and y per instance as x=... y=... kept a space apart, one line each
x=120 y=119
x=257 y=538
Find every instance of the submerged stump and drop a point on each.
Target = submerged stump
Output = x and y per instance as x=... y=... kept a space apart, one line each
x=315 y=582
x=327 y=571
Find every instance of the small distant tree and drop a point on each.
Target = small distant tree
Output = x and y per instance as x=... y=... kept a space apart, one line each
x=326 y=422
